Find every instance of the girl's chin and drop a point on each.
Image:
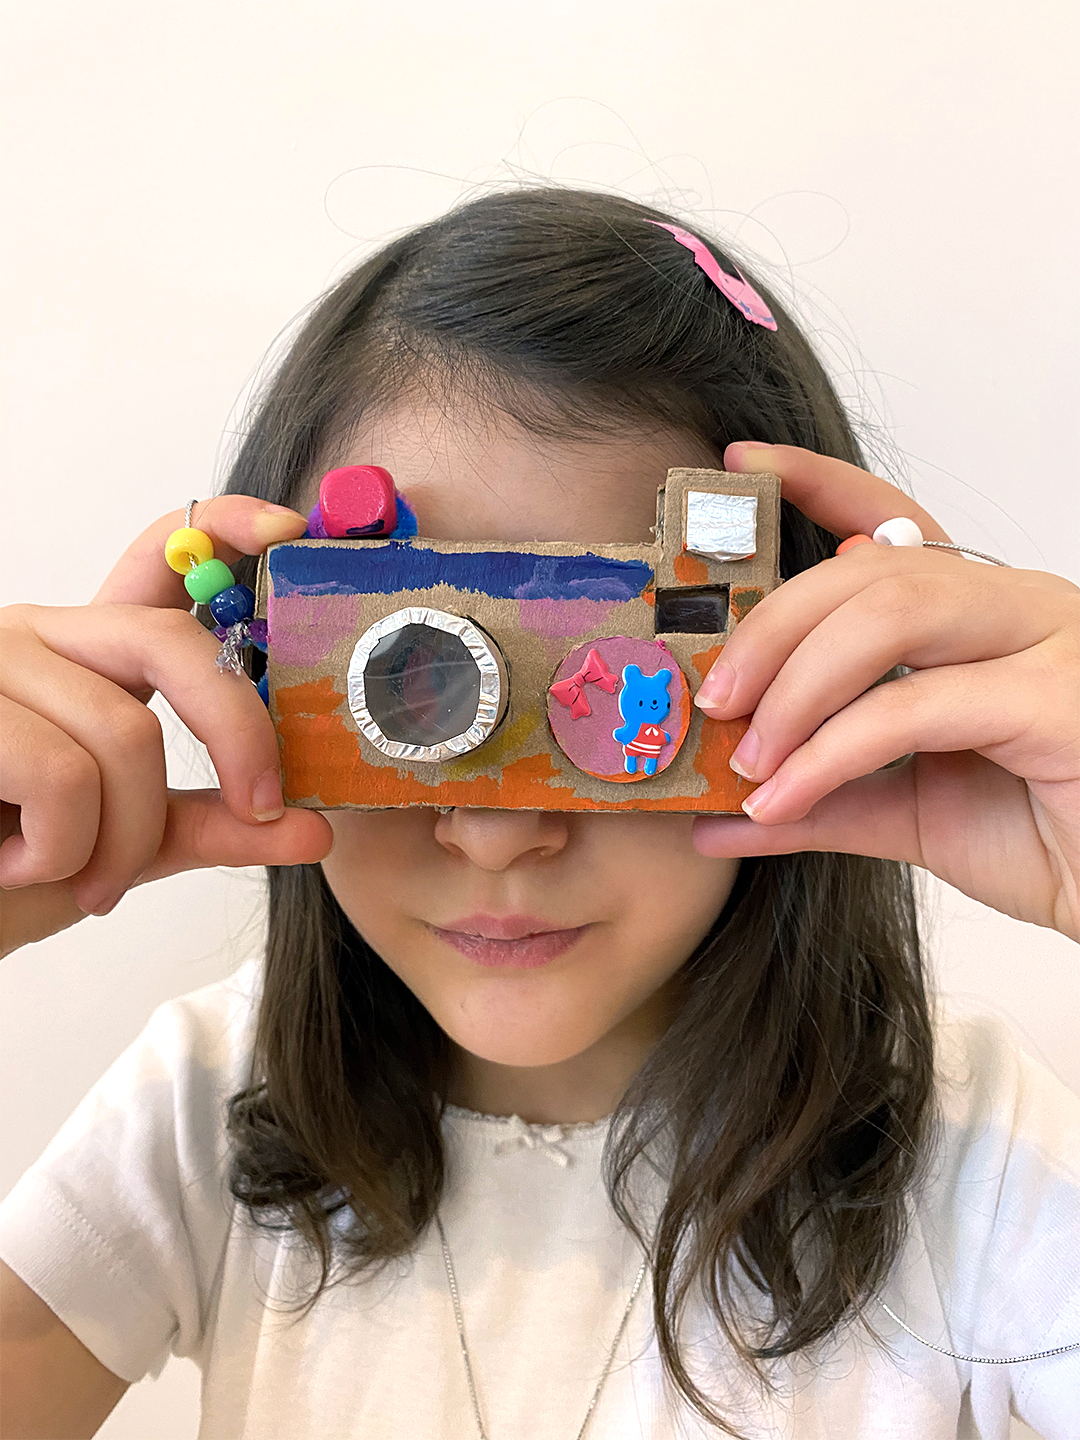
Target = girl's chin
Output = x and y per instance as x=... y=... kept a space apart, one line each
x=523 y=1049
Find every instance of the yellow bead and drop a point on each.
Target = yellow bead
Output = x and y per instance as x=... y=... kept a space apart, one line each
x=186 y=548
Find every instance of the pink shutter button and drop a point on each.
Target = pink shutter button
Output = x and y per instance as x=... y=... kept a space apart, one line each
x=357 y=500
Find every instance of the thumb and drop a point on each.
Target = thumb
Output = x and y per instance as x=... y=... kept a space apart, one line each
x=201 y=832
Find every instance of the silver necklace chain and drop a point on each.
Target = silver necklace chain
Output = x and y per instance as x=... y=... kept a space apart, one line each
x=470 y=1378
x=965 y=550
x=981 y=1359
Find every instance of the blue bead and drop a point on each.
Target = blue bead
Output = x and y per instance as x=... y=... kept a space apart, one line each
x=232 y=605
x=263 y=688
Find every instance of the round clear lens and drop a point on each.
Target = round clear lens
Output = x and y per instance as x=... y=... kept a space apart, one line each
x=422 y=686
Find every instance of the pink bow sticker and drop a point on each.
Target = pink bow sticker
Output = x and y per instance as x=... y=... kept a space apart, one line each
x=737 y=289
x=572 y=691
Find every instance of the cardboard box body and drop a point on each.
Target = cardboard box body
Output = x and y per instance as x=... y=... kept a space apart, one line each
x=537 y=604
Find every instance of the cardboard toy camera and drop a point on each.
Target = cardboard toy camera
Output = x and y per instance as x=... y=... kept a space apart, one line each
x=546 y=676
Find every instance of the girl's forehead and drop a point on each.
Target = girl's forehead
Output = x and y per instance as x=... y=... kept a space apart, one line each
x=472 y=477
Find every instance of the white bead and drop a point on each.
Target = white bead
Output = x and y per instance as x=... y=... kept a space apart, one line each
x=900 y=531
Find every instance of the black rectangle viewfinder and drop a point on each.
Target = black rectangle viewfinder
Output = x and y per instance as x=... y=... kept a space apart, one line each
x=692 y=610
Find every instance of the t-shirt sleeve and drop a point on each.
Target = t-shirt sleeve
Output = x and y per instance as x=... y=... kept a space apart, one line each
x=1004 y=1230
x=121 y=1225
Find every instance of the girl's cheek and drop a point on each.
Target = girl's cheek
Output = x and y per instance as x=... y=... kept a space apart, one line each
x=371 y=850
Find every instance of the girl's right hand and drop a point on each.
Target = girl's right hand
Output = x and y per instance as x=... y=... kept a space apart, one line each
x=86 y=810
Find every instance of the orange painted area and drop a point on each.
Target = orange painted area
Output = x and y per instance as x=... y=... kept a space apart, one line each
x=704 y=660
x=315 y=745
x=525 y=784
x=718 y=740
x=689 y=570
x=316 y=697
x=717 y=745
x=323 y=767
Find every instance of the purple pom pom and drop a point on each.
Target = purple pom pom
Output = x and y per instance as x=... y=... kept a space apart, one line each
x=406 y=520
x=316 y=530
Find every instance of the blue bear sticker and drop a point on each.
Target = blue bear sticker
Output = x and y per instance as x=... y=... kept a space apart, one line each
x=644 y=703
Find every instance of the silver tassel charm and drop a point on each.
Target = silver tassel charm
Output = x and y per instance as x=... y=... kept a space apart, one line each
x=237 y=639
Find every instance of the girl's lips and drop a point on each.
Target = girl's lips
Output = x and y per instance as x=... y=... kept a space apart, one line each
x=522 y=950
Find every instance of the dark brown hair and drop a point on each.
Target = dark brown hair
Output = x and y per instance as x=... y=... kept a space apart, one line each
x=793 y=1090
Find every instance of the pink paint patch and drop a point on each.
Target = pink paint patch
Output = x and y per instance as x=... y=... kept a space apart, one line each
x=303 y=630
x=588 y=742
x=560 y=618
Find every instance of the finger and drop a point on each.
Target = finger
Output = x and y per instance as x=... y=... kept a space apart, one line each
x=57 y=787
x=921 y=621
x=869 y=816
x=977 y=707
x=200 y=832
x=921 y=814
x=36 y=912
x=124 y=739
x=839 y=497
x=145 y=650
x=763 y=641
x=236 y=524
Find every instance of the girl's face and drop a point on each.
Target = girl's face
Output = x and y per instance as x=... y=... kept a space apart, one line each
x=546 y=945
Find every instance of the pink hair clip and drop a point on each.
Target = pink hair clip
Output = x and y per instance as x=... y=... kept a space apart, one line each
x=735 y=287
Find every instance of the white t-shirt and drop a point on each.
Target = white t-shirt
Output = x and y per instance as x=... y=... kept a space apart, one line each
x=126 y=1229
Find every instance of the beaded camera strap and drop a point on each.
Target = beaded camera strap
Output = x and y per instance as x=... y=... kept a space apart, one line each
x=209 y=581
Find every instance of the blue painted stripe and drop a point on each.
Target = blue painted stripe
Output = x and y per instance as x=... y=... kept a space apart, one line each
x=374 y=569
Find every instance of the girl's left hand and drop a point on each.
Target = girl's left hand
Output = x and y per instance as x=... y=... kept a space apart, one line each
x=990 y=800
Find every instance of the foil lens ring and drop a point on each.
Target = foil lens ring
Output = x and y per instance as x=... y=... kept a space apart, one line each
x=490 y=684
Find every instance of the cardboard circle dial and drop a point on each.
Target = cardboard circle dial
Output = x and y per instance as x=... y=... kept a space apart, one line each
x=619 y=708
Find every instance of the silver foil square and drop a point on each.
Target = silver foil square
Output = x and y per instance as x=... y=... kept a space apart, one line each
x=721 y=527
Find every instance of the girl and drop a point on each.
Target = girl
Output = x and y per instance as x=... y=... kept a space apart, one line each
x=501 y=1072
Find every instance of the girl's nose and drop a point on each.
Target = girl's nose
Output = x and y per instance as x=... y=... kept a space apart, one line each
x=497 y=839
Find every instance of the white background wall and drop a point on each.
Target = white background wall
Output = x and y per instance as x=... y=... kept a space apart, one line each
x=182 y=179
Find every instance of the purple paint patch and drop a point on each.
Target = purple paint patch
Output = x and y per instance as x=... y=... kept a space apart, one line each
x=303 y=630
x=588 y=741
x=559 y=618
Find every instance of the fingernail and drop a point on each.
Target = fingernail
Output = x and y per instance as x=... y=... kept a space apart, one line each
x=851 y=542
x=267 y=801
x=757 y=802
x=717 y=686
x=101 y=903
x=746 y=754
x=274 y=523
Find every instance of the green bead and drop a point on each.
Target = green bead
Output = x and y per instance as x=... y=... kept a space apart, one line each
x=208 y=580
